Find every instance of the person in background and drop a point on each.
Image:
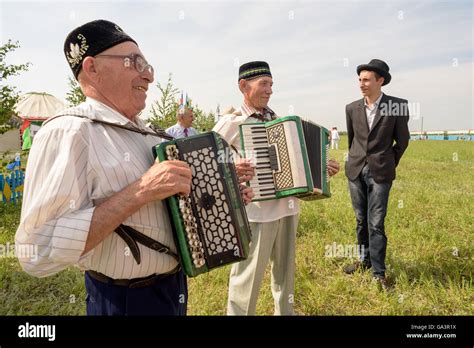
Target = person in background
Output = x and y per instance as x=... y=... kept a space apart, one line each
x=334 y=138
x=185 y=117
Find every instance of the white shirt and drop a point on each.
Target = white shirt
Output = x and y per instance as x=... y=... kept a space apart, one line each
x=263 y=211
x=371 y=111
x=73 y=162
x=177 y=131
x=334 y=134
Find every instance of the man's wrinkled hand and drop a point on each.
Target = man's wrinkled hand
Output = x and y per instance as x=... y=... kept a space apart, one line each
x=245 y=169
x=247 y=193
x=165 y=179
x=333 y=167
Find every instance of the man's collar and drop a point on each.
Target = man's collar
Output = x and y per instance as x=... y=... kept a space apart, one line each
x=248 y=110
x=377 y=102
x=180 y=126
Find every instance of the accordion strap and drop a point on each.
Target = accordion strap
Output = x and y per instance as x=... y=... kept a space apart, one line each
x=156 y=130
x=131 y=236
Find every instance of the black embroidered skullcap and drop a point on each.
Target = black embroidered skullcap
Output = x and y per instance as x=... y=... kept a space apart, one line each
x=91 y=39
x=253 y=70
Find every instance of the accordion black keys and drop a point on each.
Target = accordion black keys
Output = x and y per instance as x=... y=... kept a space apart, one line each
x=210 y=224
x=290 y=157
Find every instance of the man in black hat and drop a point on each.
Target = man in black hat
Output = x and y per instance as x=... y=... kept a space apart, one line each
x=377 y=129
x=274 y=222
x=93 y=194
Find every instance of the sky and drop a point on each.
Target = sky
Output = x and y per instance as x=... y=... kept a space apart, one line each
x=313 y=48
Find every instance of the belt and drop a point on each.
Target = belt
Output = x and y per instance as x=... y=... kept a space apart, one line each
x=132 y=283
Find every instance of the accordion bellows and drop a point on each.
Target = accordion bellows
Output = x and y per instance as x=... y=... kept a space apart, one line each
x=290 y=156
x=210 y=224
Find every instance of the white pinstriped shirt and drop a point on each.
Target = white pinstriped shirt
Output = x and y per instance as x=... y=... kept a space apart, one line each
x=73 y=162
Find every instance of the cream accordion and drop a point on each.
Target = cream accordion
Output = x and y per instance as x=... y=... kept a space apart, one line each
x=290 y=157
x=210 y=224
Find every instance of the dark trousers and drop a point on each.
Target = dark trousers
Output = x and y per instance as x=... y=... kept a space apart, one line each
x=167 y=296
x=369 y=200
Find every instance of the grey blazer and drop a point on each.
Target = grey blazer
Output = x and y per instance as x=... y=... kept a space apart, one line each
x=382 y=146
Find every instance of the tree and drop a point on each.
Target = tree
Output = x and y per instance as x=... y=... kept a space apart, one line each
x=203 y=122
x=9 y=95
x=75 y=95
x=164 y=110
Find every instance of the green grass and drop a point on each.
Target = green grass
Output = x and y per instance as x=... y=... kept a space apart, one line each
x=22 y=294
x=430 y=217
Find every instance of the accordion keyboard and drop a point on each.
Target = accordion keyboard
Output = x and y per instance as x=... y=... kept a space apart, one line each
x=256 y=148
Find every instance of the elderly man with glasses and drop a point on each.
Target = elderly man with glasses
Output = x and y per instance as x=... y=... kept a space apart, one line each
x=93 y=195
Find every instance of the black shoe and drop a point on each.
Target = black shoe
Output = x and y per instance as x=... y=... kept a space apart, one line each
x=350 y=269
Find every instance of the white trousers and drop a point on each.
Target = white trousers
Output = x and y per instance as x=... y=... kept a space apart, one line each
x=274 y=241
x=335 y=143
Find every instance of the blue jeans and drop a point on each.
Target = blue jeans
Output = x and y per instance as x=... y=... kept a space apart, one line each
x=369 y=200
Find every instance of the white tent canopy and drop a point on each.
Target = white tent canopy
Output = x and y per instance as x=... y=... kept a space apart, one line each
x=38 y=106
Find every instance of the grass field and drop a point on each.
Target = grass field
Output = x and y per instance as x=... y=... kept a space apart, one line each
x=430 y=252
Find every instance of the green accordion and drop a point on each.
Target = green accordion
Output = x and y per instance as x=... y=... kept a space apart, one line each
x=290 y=157
x=210 y=224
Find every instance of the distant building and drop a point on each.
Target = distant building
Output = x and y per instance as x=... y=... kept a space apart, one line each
x=443 y=135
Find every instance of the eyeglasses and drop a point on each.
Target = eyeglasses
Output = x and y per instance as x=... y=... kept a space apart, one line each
x=138 y=61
